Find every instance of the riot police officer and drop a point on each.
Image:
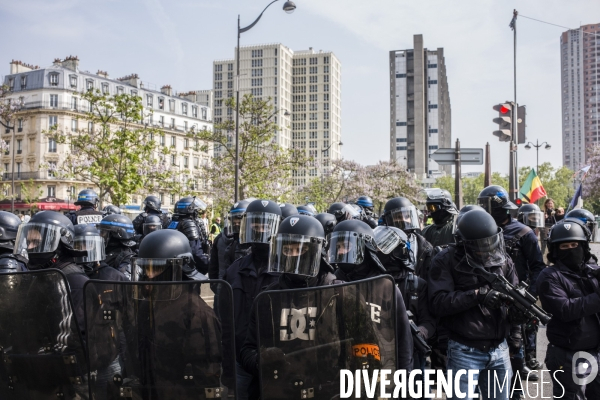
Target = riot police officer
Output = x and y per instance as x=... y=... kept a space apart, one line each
x=343 y=211
x=296 y=253
x=48 y=239
x=532 y=216
x=110 y=209
x=287 y=210
x=352 y=250
x=152 y=223
x=328 y=221
x=396 y=256
x=249 y=275
x=366 y=203
x=307 y=210
x=402 y=214
x=473 y=313
x=117 y=232
x=522 y=246
x=9 y=262
x=442 y=210
x=569 y=290
x=186 y=221
x=589 y=220
x=88 y=213
x=91 y=244
x=152 y=206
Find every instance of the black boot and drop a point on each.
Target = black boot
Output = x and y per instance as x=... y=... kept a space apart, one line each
x=529 y=374
x=532 y=362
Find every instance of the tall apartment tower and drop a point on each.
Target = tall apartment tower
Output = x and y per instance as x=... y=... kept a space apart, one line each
x=580 y=82
x=305 y=88
x=420 y=120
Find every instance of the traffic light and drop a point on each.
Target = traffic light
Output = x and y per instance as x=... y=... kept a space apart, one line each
x=521 y=114
x=504 y=121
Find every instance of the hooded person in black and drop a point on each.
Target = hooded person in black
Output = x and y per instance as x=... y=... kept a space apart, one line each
x=442 y=210
x=249 y=275
x=352 y=250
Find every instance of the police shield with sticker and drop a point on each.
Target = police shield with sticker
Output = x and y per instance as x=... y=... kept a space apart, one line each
x=40 y=343
x=306 y=336
x=173 y=341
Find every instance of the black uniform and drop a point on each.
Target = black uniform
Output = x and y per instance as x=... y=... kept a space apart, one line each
x=440 y=234
x=138 y=221
x=86 y=215
x=119 y=257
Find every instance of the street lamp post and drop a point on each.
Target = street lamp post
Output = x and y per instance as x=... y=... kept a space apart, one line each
x=12 y=200
x=537 y=146
x=323 y=153
x=289 y=8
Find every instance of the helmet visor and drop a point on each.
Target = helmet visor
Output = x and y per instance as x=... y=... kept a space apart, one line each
x=157 y=269
x=533 y=219
x=347 y=247
x=151 y=227
x=235 y=220
x=258 y=227
x=388 y=238
x=405 y=218
x=92 y=245
x=115 y=229
x=295 y=254
x=36 y=237
x=487 y=252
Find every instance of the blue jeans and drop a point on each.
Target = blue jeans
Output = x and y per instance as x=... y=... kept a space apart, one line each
x=495 y=362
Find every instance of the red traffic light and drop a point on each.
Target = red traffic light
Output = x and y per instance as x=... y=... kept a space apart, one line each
x=504 y=110
x=519 y=202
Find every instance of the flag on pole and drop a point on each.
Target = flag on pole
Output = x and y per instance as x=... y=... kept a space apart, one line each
x=532 y=190
x=584 y=170
x=513 y=21
x=577 y=200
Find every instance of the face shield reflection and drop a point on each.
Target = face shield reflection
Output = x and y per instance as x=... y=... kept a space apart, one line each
x=92 y=245
x=258 y=227
x=486 y=252
x=152 y=270
x=534 y=219
x=387 y=238
x=151 y=227
x=37 y=238
x=347 y=248
x=295 y=254
x=405 y=218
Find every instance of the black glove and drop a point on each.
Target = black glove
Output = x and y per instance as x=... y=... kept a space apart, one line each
x=516 y=316
x=491 y=298
x=422 y=332
x=515 y=339
x=273 y=357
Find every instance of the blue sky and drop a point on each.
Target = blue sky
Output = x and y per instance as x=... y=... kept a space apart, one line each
x=174 y=42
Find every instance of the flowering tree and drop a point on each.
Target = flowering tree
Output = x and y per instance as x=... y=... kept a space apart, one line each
x=265 y=168
x=114 y=151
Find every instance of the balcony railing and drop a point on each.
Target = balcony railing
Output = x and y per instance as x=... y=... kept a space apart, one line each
x=7 y=176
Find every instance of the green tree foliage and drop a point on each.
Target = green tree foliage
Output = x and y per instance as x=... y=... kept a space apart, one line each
x=265 y=168
x=471 y=186
x=114 y=150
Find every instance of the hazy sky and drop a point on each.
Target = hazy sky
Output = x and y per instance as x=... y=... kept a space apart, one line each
x=174 y=42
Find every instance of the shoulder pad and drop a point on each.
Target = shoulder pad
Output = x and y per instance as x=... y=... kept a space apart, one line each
x=9 y=264
x=189 y=229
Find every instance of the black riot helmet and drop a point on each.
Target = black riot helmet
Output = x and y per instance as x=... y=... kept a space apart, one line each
x=287 y=210
x=43 y=238
x=481 y=238
x=118 y=227
x=260 y=222
x=365 y=202
x=164 y=256
x=401 y=213
x=494 y=199
x=151 y=223
x=110 y=209
x=588 y=219
x=531 y=215
x=296 y=249
x=87 y=197
x=328 y=222
x=9 y=225
x=189 y=206
x=343 y=211
x=236 y=213
x=568 y=230
x=307 y=210
x=350 y=241
x=88 y=240
x=152 y=203
x=464 y=210
x=439 y=200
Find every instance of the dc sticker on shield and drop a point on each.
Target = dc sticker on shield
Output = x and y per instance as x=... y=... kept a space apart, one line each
x=264 y=203
x=294 y=220
x=568 y=227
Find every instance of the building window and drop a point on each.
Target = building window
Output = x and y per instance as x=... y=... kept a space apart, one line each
x=74 y=103
x=11 y=84
x=172 y=105
x=313 y=88
x=431 y=65
x=432 y=106
x=52 y=191
x=186 y=161
x=23 y=81
x=218 y=67
x=325 y=60
x=161 y=120
x=51 y=169
x=119 y=89
x=196 y=162
x=313 y=70
x=74 y=125
x=54 y=100
x=20 y=124
x=186 y=143
x=257 y=53
x=433 y=147
x=105 y=88
x=90 y=127
x=257 y=63
x=257 y=82
x=161 y=103
x=184 y=108
x=185 y=126
x=173 y=141
x=400 y=139
x=325 y=115
x=89 y=85
x=400 y=75
x=204 y=113
x=313 y=61
x=229 y=67
x=400 y=123
x=51 y=146
x=400 y=147
x=432 y=82
x=230 y=75
x=195 y=111
x=52 y=121
x=54 y=79
x=19 y=146
x=173 y=159
x=162 y=140
x=133 y=92
x=149 y=100
x=433 y=131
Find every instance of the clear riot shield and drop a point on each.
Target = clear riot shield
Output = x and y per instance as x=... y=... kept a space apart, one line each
x=159 y=340
x=40 y=342
x=306 y=336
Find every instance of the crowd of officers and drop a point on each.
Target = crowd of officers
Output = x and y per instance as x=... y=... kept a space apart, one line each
x=269 y=246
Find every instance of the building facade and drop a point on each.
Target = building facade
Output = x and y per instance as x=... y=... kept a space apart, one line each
x=305 y=90
x=51 y=97
x=420 y=114
x=580 y=84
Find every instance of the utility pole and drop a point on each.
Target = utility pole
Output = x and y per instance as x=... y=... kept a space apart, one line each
x=487 y=180
x=513 y=175
x=458 y=195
